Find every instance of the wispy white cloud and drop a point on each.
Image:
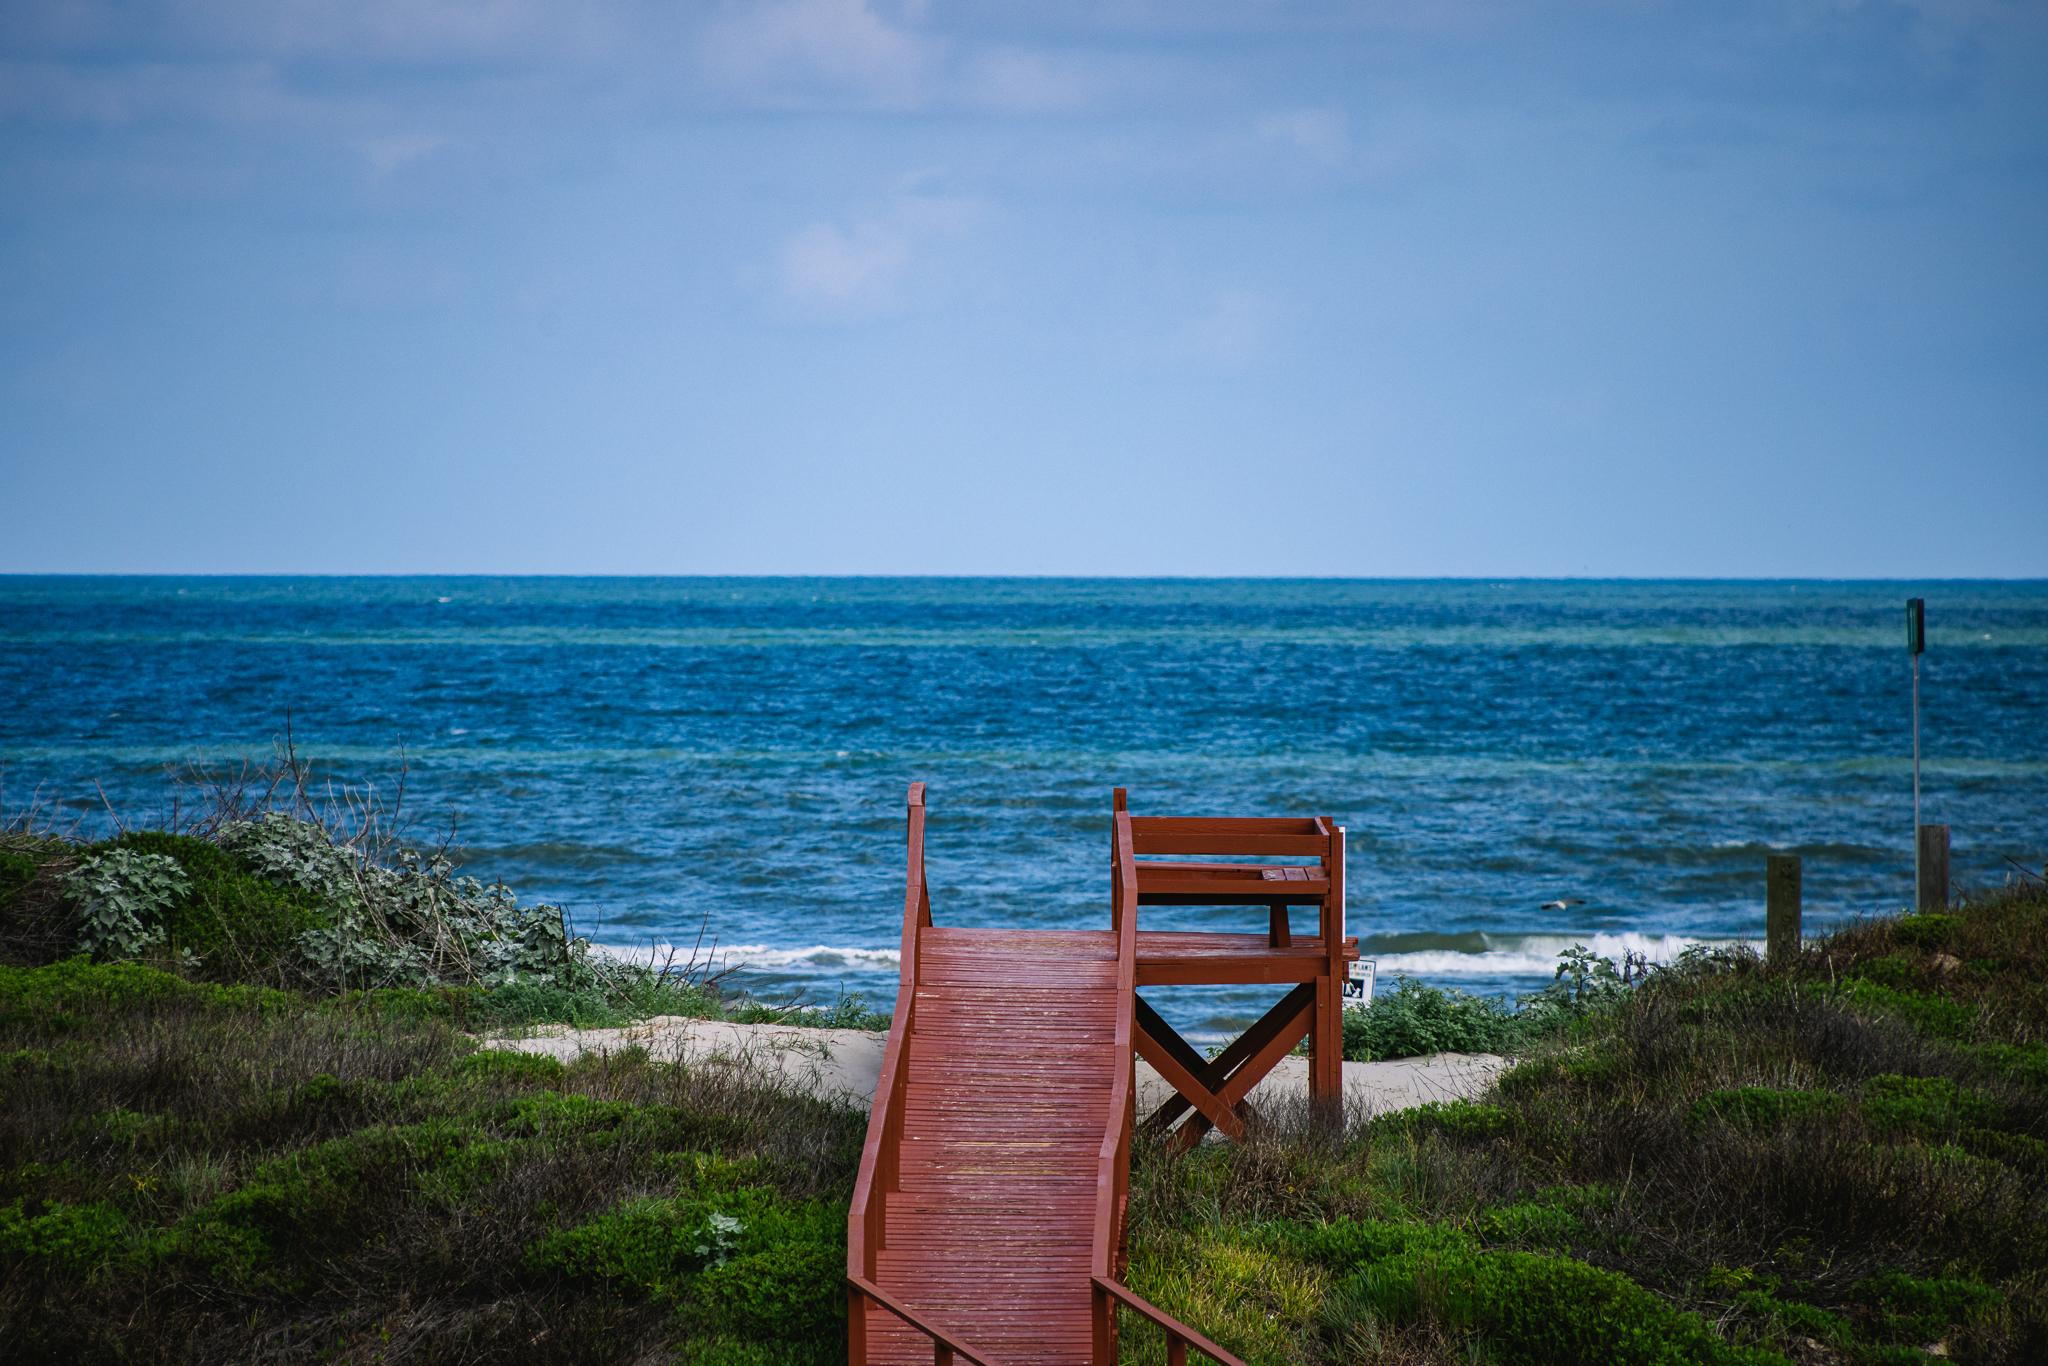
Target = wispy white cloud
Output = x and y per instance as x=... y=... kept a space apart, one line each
x=818 y=53
x=783 y=46
x=856 y=267
x=861 y=265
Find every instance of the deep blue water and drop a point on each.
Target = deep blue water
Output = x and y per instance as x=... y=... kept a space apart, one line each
x=660 y=753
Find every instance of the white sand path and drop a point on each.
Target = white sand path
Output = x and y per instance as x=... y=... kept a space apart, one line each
x=845 y=1064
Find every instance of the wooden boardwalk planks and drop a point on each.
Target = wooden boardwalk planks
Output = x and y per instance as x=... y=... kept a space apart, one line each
x=1008 y=1068
x=987 y=1220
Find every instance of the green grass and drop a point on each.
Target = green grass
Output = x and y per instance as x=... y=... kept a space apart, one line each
x=209 y=1155
x=1846 y=1161
x=1843 y=1161
x=189 y=1170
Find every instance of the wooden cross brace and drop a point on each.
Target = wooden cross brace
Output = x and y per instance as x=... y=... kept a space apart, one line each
x=1215 y=1088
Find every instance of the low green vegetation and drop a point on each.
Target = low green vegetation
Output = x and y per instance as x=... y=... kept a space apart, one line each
x=203 y=1172
x=1415 y=1019
x=281 y=899
x=1842 y=1160
x=258 y=1127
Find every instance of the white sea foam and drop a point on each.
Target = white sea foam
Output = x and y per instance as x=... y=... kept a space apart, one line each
x=1507 y=955
x=1536 y=954
x=815 y=957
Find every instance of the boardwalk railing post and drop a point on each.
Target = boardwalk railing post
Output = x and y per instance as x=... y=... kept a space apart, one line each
x=1933 y=851
x=1781 y=910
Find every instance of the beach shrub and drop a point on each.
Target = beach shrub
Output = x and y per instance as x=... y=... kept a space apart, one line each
x=293 y=1213
x=1758 y=1109
x=34 y=1062
x=504 y=1064
x=59 y=998
x=1917 y=1309
x=129 y=1131
x=791 y=1290
x=1585 y=984
x=1413 y=1019
x=62 y=1239
x=848 y=1012
x=1529 y=1077
x=649 y=1247
x=1458 y=1118
x=123 y=898
x=194 y=1171
x=1893 y=970
x=1787 y=1319
x=17 y=871
x=1925 y=1107
x=412 y=922
x=1528 y=1225
x=283 y=900
x=2023 y=1063
x=225 y=909
x=1541 y=1309
x=1928 y=930
x=1550 y=1219
x=295 y=853
x=2018 y=1151
x=1935 y=1016
x=615 y=996
x=748 y=1260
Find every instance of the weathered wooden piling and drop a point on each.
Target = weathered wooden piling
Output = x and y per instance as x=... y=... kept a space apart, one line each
x=1781 y=909
x=1933 y=864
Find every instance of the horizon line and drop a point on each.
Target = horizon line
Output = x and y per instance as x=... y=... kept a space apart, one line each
x=22 y=574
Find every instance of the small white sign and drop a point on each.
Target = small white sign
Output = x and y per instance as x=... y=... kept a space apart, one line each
x=1358 y=986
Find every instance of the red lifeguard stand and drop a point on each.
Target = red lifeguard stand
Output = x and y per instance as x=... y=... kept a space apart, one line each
x=1179 y=861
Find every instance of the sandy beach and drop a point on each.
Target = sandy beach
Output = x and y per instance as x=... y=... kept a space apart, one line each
x=844 y=1064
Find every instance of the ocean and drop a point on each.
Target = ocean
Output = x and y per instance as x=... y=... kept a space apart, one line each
x=666 y=757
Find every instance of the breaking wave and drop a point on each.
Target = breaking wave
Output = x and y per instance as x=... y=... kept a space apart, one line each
x=1468 y=954
x=816 y=957
x=1514 y=955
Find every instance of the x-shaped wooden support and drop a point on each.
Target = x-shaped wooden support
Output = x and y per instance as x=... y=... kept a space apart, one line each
x=1215 y=1089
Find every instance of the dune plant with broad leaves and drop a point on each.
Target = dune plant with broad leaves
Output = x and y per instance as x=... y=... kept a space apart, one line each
x=122 y=896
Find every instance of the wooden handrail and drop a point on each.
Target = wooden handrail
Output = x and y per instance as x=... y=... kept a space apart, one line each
x=1179 y=1337
x=946 y=1344
x=1112 y=1173
x=879 y=1153
x=865 y=1214
x=1112 y=1182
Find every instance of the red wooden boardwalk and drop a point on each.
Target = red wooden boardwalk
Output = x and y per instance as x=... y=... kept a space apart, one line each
x=1011 y=1058
x=987 y=1222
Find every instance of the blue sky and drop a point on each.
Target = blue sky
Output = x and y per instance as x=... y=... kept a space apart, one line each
x=875 y=286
